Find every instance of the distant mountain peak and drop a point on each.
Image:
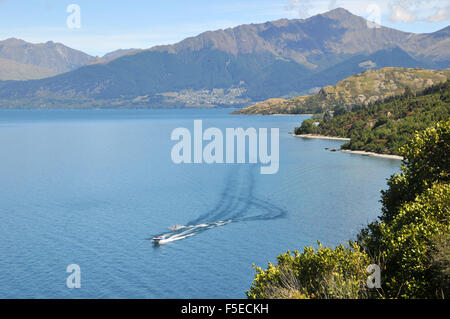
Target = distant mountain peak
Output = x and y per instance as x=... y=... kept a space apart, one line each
x=442 y=33
x=339 y=13
x=446 y=29
x=342 y=14
x=34 y=61
x=13 y=41
x=346 y=19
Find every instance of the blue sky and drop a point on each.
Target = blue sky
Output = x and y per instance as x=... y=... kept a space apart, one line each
x=110 y=25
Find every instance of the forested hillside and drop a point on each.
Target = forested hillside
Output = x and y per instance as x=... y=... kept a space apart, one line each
x=385 y=127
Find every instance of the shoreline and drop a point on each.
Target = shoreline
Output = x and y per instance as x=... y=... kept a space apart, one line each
x=363 y=153
x=321 y=137
x=373 y=154
x=291 y=114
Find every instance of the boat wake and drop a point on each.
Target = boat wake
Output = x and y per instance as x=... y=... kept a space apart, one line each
x=237 y=204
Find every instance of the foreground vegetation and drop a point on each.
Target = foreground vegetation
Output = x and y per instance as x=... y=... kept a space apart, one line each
x=385 y=127
x=410 y=241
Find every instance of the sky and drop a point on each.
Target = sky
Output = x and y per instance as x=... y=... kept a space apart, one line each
x=100 y=26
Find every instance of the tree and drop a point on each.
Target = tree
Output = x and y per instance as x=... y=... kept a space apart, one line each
x=339 y=110
x=408 y=92
x=307 y=127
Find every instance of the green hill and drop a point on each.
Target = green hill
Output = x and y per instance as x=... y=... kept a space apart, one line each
x=359 y=90
x=384 y=127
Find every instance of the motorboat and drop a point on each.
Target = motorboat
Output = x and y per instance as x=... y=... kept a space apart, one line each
x=157 y=240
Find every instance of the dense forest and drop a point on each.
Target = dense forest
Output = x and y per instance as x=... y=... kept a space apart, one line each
x=409 y=244
x=384 y=127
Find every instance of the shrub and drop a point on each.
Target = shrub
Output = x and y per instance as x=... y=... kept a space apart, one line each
x=410 y=242
x=322 y=273
x=441 y=264
x=406 y=244
x=427 y=159
x=415 y=211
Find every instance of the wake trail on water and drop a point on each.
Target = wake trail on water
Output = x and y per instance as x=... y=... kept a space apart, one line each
x=237 y=203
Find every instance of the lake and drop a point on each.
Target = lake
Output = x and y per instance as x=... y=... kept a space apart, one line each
x=90 y=187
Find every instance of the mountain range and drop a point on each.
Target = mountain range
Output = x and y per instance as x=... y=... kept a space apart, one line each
x=236 y=66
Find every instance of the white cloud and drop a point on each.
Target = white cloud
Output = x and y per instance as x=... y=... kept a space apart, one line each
x=400 y=14
x=301 y=7
x=394 y=11
x=308 y=8
x=419 y=11
x=332 y=5
x=441 y=15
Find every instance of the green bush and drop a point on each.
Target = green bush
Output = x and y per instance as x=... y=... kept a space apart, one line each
x=415 y=210
x=406 y=244
x=427 y=160
x=441 y=264
x=322 y=273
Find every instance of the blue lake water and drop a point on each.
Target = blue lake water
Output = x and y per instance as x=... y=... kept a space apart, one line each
x=89 y=187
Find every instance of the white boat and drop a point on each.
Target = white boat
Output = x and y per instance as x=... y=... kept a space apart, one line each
x=157 y=240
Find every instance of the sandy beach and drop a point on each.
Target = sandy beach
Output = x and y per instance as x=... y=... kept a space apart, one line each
x=322 y=137
x=395 y=157
x=364 y=153
x=292 y=114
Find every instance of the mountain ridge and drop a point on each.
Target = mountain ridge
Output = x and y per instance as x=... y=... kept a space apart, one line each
x=22 y=60
x=238 y=66
x=49 y=55
x=235 y=42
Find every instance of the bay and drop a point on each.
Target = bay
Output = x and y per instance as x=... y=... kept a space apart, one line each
x=89 y=187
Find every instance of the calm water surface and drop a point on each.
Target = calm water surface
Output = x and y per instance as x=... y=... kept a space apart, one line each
x=89 y=187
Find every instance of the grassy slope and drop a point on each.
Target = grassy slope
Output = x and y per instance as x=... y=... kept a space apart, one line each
x=12 y=70
x=359 y=90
